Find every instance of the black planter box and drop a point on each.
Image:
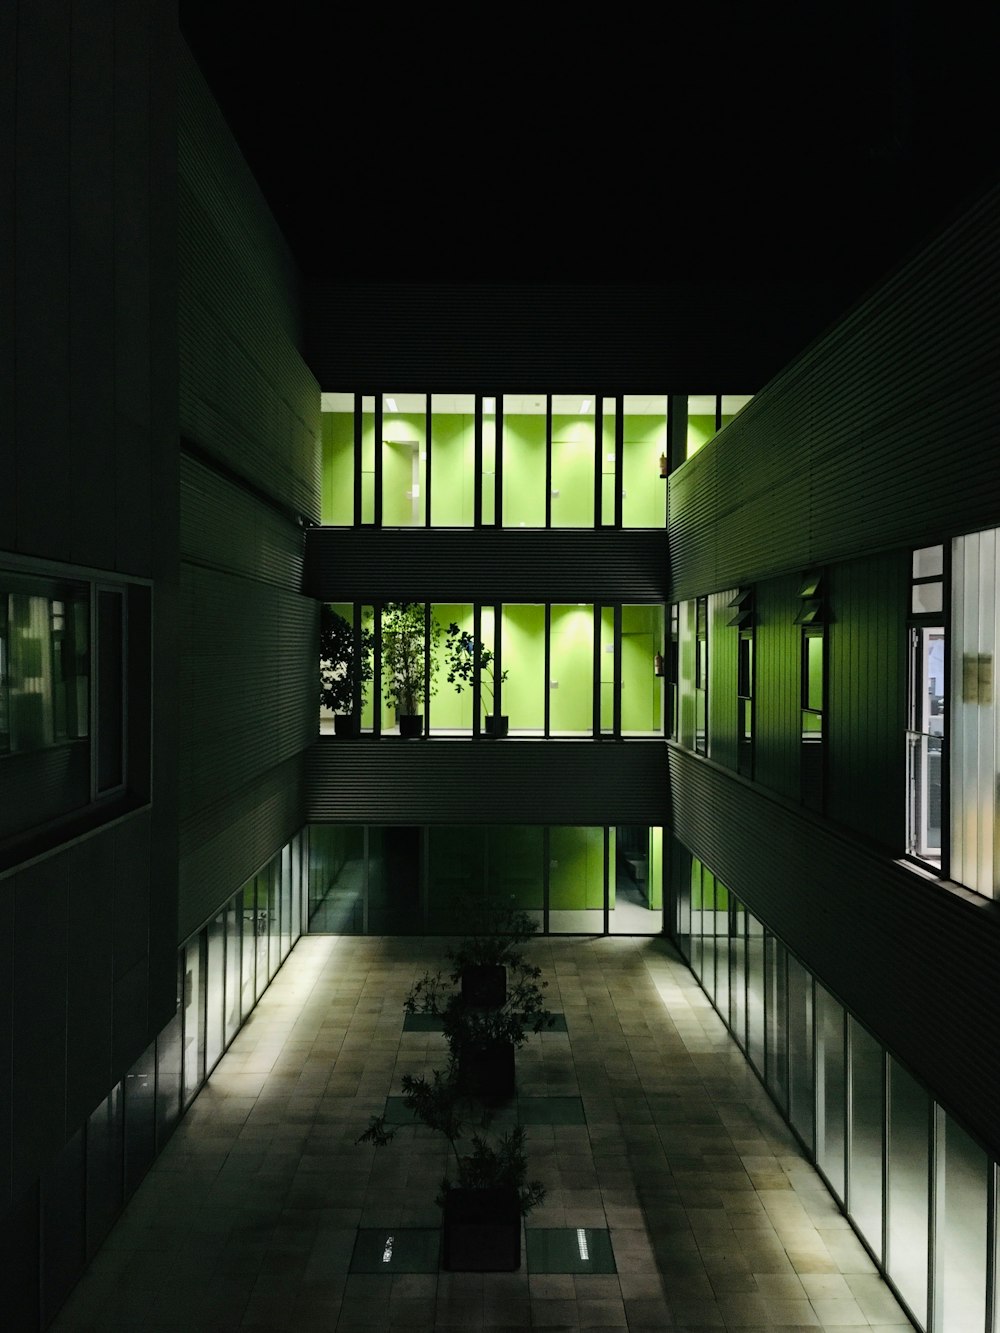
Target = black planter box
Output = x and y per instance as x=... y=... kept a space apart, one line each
x=487 y=1072
x=485 y=985
x=411 y=724
x=497 y=726
x=346 y=724
x=482 y=1231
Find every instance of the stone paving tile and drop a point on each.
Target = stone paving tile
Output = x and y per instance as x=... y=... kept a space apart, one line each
x=248 y=1218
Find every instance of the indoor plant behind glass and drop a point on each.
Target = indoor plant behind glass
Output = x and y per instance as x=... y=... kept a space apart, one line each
x=460 y=659
x=341 y=663
x=405 y=649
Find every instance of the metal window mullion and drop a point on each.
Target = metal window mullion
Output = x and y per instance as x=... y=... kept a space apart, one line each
x=619 y=461
x=358 y=668
x=377 y=671
x=497 y=662
x=548 y=460
x=617 y=687
x=596 y=719
x=477 y=464
x=498 y=463
x=358 y=460
x=377 y=512
x=607 y=879
x=427 y=669
x=547 y=723
x=428 y=417
x=477 y=665
x=598 y=460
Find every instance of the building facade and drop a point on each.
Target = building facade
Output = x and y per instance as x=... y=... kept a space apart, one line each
x=803 y=800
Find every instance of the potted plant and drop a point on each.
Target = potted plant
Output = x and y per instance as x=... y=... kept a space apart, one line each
x=499 y=1001
x=490 y=1194
x=460 y=659
x=404 y=659
x=341 y=663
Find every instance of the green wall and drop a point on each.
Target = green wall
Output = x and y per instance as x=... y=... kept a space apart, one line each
x=571 y=665
x=523 y=648
x=524 y=471
x=700 y=430
x=576 y=868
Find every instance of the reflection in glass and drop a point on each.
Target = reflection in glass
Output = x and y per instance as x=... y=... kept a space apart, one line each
x=801 y=1094
x=867 y=1114
x=456 y=876
x=140 y=1118
x=336 y=878
x=514 y=870
x=104 y=1165
x=234 y=939
x=737 y=970
x=394 y=881
x=722 y=962
x=776 y=1017
x=961 y=1194
x=194 y=1019
x=755 y=992
x=248 y=916
x=214 y=980
x=907 y=1203
x=169 y=1048
x=830 y=1089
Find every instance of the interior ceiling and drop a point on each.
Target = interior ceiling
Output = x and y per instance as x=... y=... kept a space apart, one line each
x=769 y=142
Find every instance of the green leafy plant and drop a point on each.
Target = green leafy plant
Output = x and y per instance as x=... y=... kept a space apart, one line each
x=502 y=929
x=342 y=661
x=460 y=659
x=482 y=1160
x=404 y=655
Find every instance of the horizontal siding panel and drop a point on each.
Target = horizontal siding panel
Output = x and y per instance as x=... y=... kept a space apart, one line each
x=880 y=435
x=391 y=781
x=915 y=960
x=489 y=564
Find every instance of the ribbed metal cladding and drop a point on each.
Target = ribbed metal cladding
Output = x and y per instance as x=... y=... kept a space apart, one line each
x=880 y=435
x=558 y=338
x=392 y=781
x=914 y=960
x=488 y=564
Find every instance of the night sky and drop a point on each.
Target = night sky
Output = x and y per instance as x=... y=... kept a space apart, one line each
x=805 y=141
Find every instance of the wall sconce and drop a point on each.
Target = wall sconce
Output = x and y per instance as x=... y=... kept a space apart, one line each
x=663 y=467
x=657 y=664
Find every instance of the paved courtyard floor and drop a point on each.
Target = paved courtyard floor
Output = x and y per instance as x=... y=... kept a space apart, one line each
x=249 y=1217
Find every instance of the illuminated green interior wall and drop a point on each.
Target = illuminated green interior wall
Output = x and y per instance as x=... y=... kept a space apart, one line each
x=523 y=648
x=571 y=699
x=706 y=891
x=654 y=874
x=642 y=691
x=572 y=472
x=452 y=463
x=338 y=468
x=643 y=491
x=524 y=471
x=700 y=430
x=576 y=868
x=450 y=711
x=453 y=452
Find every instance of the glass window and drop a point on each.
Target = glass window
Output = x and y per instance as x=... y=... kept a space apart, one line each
x=214 y=985
x=395 y=880
x=701 y=676
x=732 y=403
x=606 y=658
x=925 y=739
x=907 y=1201
x=336 y=878
x=367 y=459
x=169 y=1060
x=680 y=879
x=645 y=443
x=524 y=686
x=830 y=1089
x=453 y=452
x=697 y=900
x=337 y=434
x=454 y=651
x=609 y=460
x=755 y=992
x=801 y=1088
x=961 y=1194
x=273 y=880
x=642 y=670
x=514 y=869
x=248 y=917
x=867 y=1120
x=194 y=1018
x=776 y=1017
x=44 y=663
x=261 y=930
x=404 y=459
x=701 y=421
x=577 y=869
x=456 y=876
x=571 y=671
x=105 y=1160
x=524 y=461
x=722 y=962
x=573 y=460
x=346 y=665
x=234 y=940
x=737 y=970
x=140 y=1118
x=744 y=696
x=813 y=688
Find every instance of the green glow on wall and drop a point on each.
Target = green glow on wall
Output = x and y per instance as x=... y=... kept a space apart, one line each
x=572 y=472
x=338 y=468
x=453 y=451
x=524 y=471
x=523 y=649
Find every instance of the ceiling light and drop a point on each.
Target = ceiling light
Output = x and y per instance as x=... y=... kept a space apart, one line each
x=585 y=406
x=392 y=405
x=489 y=404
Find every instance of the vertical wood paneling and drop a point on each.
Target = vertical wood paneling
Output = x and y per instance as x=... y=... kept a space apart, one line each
x=778 y=741
x=723 y=649
x=866 y=713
